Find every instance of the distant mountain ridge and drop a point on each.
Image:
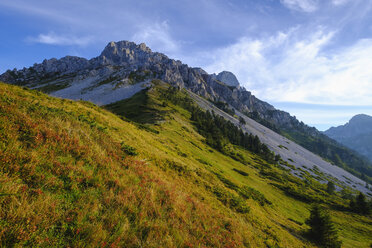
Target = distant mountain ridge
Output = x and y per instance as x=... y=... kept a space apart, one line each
x=125 y=68
x=356 y=134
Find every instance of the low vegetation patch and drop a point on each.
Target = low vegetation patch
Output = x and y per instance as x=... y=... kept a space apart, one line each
x=243 y=173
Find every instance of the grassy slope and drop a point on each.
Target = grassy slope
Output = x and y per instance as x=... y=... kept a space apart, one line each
x=66 y=179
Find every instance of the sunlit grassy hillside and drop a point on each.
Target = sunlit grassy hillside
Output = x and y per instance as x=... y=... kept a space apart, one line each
x=74 y=174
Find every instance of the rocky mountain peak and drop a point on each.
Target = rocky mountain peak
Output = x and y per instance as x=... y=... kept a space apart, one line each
x=125 y=47
x=228 y=78
x=124 y=53
x=360 y=119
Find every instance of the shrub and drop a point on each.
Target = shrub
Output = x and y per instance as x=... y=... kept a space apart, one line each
x=243 y=173
x=131 y=151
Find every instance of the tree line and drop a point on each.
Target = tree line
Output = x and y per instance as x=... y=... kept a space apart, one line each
x=217 y=130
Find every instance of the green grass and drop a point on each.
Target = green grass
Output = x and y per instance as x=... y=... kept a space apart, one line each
x=73 y=174
x=139 y=108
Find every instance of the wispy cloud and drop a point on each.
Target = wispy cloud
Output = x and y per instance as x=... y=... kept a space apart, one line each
x=36 y=10
x=286 y=68
x=62 y=40
x=340 y=2
x=302 y=5
x=157 y=36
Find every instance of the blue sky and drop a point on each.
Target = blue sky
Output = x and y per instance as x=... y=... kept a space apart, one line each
x=312 y=58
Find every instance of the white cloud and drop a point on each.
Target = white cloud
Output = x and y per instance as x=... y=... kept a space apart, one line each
x=339 y=2
x=34 y=8
x=285 y=68
x=63 y=40
x=157 y=36
x=301 y=5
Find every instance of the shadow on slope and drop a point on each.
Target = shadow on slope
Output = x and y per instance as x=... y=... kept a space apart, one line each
x=142 y=108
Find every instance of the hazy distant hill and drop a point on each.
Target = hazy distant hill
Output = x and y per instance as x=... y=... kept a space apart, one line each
x=356 y=134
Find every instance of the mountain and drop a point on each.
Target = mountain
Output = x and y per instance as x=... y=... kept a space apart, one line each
x=146 y=174
x=356 y=134
x=117 y=70
x=125 y=68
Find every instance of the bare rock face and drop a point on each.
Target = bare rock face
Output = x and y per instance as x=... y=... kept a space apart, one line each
x=66 y=64
x=125 y=53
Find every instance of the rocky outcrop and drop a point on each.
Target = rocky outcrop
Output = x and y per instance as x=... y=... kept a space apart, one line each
x=48 y=69
x=227 y=78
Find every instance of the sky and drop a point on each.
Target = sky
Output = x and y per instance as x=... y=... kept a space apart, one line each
x=311 y=58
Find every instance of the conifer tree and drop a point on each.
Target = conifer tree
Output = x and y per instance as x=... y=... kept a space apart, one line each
x=331 y=187
x=361 y=204
x=322 y=230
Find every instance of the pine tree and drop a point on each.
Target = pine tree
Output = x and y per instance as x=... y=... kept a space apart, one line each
x=361 y=204
x=322 y=230
x=331 y=187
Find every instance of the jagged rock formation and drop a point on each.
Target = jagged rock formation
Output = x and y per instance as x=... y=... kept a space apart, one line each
x=356 y=134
